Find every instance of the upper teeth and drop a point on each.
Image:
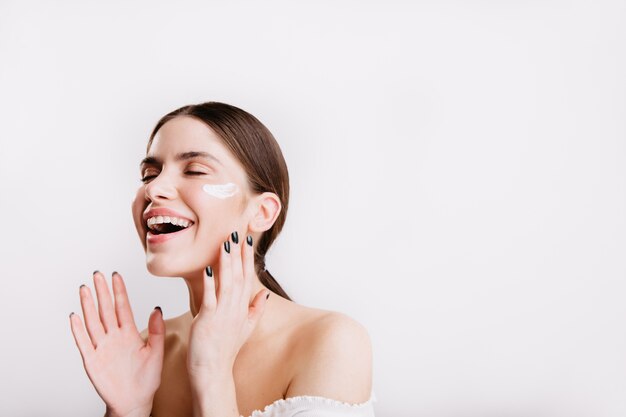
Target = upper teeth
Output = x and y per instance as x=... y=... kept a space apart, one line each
x=168 y=219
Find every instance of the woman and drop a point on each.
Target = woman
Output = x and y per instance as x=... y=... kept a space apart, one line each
x=214 y=197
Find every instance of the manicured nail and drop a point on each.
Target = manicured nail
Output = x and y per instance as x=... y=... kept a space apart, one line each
x=114 y=272
x=249 y=240
x=71 y=314
x=227 y=246
x=235 y=237
x=94 y=272
x=79 y=288
x=267 y=296
x=159 y=308
x=209 y=271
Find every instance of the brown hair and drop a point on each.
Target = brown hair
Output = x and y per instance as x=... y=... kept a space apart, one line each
x=257 y=150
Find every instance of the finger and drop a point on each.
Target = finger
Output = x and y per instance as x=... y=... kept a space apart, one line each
x=92 y=320
x=85 y=347
x=156 y=332
x=105 y=304
x=241 y=291
x=235 y=260
x=123 y=310
x=258 y=306
x=225 y=275
x=247 y=254
x=209 y=298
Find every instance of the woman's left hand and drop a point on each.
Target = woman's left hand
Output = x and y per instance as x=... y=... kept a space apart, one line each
x=225 y=319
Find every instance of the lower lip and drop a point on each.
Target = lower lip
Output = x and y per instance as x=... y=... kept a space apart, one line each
x=153 y=239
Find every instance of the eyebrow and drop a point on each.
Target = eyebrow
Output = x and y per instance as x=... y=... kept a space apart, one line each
x=183 y=156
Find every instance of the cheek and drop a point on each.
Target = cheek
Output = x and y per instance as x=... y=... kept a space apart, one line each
x=138 y=206
x=216 y=205
x=221 y=191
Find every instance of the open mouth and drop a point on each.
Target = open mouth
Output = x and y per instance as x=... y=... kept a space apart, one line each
x=162 y=225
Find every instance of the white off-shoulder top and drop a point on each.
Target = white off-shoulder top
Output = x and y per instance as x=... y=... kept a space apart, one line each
x=312 y=406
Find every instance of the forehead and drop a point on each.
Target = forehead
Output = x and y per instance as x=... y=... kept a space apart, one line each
x=184 y=133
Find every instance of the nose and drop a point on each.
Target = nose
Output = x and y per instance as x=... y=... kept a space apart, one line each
x=160 y=188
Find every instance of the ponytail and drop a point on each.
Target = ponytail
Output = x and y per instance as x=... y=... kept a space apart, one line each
x=268 y=279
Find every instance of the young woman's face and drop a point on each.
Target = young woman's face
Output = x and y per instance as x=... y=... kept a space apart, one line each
x=191 y=175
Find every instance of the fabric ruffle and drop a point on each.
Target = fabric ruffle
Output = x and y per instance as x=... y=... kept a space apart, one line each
x=310 y=405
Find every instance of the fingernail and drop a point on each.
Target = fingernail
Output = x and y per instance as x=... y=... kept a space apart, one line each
x=114 y=272
x=79 y=288
x=267 y=296
x=94 y=272
x=249 y=240
x=209 y=271
x=159 y=308
x=227 y=246
x=71 y=314
x=235 y=237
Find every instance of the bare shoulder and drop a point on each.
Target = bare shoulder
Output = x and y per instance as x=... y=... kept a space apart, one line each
x=333 y=359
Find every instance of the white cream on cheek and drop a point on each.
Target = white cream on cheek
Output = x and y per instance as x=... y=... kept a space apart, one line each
x=220 y=190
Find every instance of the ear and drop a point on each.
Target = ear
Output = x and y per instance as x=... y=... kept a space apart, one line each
x=266 y=208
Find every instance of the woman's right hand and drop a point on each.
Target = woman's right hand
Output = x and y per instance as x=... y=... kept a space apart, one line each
x=125 y=371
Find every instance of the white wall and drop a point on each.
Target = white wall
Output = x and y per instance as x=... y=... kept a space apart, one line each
x=458 y=184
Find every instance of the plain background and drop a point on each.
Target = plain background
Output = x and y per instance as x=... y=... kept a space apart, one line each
x=458 y=185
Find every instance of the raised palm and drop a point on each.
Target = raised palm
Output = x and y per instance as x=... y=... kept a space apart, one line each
x=125 y=370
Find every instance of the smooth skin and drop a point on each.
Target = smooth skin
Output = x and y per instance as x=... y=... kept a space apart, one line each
x=124 y=369
x=234 y=351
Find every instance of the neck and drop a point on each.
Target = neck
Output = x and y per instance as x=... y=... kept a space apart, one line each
x=195 y=285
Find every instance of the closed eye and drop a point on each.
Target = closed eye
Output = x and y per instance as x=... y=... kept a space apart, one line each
x=149 y=177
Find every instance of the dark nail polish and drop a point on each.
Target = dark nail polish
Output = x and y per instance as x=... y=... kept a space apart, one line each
x=159 y=308
x=71 y=313
x=227 y=246
x=268 y=296
x=81 y=287
x=114 y=272
x=94 y=272
x=235 y=237
x=249 y=240
x=209 y=271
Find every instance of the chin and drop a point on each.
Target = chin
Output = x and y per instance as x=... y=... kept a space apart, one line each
x=162 y=266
